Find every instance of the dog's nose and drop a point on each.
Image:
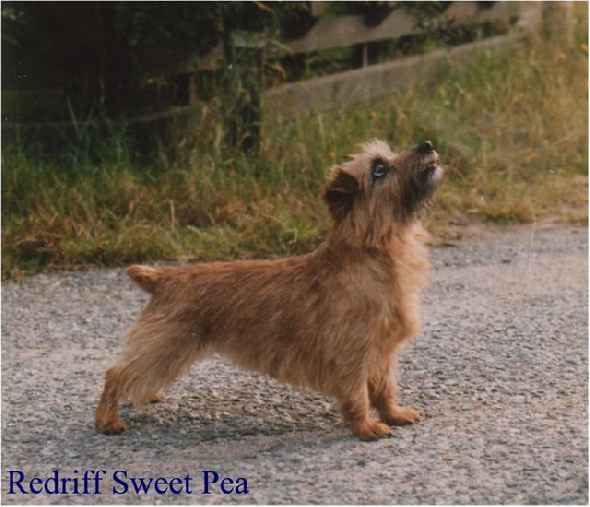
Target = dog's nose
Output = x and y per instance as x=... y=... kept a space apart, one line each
x=425 y=147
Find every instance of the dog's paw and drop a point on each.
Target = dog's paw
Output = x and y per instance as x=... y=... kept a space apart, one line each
x=113 y=427
x=372 y=430
x=403 y=415
x=155 y=398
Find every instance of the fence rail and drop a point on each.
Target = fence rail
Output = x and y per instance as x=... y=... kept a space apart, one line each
x=362 y=85
x=344 y=31
x=374 y=81
x=349 y=30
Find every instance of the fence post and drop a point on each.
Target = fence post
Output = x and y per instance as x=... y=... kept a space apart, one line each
x=242 y=59
x=558 y=21
x=530 y=17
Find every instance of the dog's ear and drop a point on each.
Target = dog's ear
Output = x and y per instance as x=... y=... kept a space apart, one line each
x=340 y=193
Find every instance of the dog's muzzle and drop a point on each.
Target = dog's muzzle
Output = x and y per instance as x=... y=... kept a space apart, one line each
x=430 y=162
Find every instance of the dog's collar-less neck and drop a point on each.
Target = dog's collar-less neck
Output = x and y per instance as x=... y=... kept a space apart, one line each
x=343 y=236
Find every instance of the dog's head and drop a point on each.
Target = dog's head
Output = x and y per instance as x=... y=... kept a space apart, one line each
x=378 y=188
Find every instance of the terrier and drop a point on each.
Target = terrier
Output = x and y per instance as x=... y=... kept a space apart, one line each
x=332 y=320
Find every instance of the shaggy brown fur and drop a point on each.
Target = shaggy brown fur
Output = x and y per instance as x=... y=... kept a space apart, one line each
x=332 y=320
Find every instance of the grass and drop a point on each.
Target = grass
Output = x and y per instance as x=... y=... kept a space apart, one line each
x=511 y=128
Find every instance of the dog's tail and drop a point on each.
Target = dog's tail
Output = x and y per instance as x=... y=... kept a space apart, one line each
x=147 y=278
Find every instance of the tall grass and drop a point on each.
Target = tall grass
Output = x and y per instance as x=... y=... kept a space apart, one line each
x=511 y=128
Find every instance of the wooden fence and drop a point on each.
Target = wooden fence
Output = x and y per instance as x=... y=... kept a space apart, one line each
x=372 y=81
x=518 y=19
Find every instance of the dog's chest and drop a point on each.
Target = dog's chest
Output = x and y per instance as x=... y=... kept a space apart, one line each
x=410 y=269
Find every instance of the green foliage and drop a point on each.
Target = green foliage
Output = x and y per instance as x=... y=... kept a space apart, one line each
x=118 y=57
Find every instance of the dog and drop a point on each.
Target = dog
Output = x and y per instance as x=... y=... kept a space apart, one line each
x=332 y=320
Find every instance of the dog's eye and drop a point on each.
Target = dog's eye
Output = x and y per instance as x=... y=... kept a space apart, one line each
x=380 y=169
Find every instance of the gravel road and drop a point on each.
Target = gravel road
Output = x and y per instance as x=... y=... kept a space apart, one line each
x=501 y=371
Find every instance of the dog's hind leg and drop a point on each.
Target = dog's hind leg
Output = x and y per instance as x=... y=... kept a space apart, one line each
x=156 y=356
x=107 y=412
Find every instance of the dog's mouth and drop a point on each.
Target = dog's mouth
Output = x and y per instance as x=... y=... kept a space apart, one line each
x=431 y=168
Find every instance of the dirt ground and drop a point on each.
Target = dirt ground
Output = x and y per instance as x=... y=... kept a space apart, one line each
x=500 y=370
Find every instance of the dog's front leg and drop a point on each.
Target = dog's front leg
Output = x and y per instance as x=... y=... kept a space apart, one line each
x=382 y=393
x=355 y=409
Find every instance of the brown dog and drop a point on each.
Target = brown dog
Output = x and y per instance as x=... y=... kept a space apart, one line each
x=332 y=320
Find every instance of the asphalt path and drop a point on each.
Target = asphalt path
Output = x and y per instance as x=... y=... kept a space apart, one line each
x=500 y=371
